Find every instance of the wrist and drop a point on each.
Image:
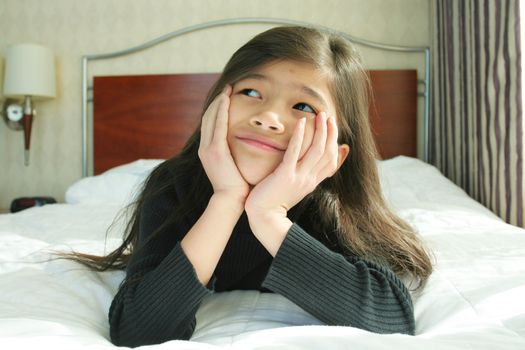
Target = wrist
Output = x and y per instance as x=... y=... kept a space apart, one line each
x=270 y=229
x=265 y=213
x=233 y=201
x=266 y=216
x=265 y=219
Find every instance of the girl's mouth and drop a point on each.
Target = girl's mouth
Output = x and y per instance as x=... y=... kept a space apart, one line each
x=260 y=144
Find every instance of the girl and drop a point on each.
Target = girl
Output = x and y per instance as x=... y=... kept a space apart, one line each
x=276 y=191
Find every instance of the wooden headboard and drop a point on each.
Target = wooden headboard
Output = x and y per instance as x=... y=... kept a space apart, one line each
x=152 y=116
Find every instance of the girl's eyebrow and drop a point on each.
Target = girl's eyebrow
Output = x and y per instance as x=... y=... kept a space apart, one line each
x=305 y=89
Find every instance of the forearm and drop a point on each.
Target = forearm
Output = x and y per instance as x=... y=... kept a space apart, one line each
x=161 y=306
x=206 y=240
x=161 y=294
x=270 y=228
x=339 y=291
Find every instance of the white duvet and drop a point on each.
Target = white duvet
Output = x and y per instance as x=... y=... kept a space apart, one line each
x=474 y=300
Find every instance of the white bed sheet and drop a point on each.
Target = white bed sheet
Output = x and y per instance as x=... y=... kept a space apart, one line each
x=474 y=300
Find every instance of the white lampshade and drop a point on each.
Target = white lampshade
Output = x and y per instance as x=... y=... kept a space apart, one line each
x=29 y=71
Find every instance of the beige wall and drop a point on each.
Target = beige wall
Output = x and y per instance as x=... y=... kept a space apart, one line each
x=73 y=28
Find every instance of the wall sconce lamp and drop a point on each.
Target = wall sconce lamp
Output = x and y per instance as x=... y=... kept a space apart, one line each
x=29 y=75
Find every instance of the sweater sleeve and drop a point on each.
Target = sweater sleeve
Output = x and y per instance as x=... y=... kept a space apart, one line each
x=161 y=293
x=339 y=290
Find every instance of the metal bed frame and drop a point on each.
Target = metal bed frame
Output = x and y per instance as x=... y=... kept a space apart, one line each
x=408 y=49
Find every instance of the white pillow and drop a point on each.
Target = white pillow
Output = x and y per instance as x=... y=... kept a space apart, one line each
x=410 y=183
x=118 y=185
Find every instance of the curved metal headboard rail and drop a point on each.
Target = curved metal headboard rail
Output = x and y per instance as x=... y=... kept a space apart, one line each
x=224 y=22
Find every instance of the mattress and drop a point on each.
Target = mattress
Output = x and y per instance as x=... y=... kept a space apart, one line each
x=474 y=299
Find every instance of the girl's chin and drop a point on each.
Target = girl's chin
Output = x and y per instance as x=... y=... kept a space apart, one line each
x=252 y=177
x=252 y=180
x=255 y=170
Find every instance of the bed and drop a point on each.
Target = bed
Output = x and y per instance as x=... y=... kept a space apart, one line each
x=473 y=300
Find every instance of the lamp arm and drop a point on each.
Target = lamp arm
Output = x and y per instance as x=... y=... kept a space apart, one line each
x=27 y=122
x=20 y=116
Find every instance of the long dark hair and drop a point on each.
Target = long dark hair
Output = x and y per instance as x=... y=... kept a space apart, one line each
x=349 y=207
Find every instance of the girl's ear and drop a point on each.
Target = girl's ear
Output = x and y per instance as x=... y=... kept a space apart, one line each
x=343 y=151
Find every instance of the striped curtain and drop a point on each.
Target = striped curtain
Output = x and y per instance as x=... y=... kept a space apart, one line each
x=476 y=131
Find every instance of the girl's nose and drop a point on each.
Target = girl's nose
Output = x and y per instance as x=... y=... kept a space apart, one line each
x=268 y=122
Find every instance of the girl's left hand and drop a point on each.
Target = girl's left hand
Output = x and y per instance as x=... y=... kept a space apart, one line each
x=294 y=178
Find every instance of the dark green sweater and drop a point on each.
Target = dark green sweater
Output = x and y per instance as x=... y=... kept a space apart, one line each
x=161 y=294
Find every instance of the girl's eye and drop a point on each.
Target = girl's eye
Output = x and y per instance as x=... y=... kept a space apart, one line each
x=250 y=92
x=304 y=107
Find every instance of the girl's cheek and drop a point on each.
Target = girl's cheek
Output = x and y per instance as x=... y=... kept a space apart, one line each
x=233 y=114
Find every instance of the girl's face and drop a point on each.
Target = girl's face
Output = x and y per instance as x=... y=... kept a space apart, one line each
x=264 y=109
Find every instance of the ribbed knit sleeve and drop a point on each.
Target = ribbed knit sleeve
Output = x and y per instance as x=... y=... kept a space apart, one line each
x=339 y=290
x=161 y=307
x=161 y=293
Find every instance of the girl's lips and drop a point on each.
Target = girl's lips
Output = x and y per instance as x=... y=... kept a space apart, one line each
x=260 y=144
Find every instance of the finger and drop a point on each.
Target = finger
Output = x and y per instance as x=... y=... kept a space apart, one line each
x=208 y=124
x=317 y=148
x=221 y=124
x=291 y=156
x=227 y=90
x=209 y=118
x=328 y=164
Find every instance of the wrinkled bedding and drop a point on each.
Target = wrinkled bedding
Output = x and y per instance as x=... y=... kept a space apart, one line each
x=474 y=300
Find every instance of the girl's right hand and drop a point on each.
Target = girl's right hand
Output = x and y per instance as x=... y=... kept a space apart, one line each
x=214 y=151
